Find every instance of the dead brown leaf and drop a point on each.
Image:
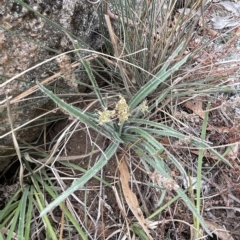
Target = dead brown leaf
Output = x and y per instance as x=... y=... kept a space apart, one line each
x=218 y=129
x=234 y=152
x=64 y=63
x=218 y=230
x=211 y=33
x=206 y=154
x=164 y=140
x=196 y=107
x=130 y=197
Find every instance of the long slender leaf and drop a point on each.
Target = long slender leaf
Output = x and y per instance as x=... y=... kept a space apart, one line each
x=195 y=141
x=14 y=222
x=8 y=207
x=29 y=213
x=151 y=159
x=169 y=60
x=157 y=212
x=199 y=168
x=10 y=215
x=21 y=224
x=160 y=77
x=51 y=190
x=157 y=125
x=78 y=113
x=81 y=181
x=76 y=225
x=1 y=236
x=139 y=232
x=40 y=204
x=179 y=191
x=74 y=166
x=148 y=138
x=93 y=81
x=167 y=133
x=193 y=209
x=160 y=148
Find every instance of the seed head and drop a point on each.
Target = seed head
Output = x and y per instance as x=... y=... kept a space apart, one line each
x=105 y=116
x=144 y=107
x=122 y=110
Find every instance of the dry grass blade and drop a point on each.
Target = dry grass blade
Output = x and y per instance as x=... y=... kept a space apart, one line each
x=50 y=159
x=26 y=123
x=31 y=68
x=130 y=197
x=46 y=81
x=62 y=223
x=117 y=54
x=15 y=142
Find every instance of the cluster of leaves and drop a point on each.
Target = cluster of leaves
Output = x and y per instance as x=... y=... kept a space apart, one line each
x=141 y=72
x=130 y=132
x=17 y=218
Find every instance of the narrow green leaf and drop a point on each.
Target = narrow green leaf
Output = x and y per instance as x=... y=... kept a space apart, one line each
x=21 y=224
x=93 y=81
x=219 y=156
x=29 y=214
x=202 y=145
x=12 y=229
x=181 y=193
x=195 y=141
x=8 y=208
x=1 y=236
x=74 y=166
x=193 y=209
x=53 y=193
x=148 y=138
x=10 y=216
x=157 y=212
x=50 y=233
x=199 y=169
x=139 y=232
x=159 y=126
x=169 y=60
x=167 y=133
x=160 y=148
x=48 y=226
x=75 y=224
x=149 y=87
x=78 y=113
x=152 y=160
x=81 y=181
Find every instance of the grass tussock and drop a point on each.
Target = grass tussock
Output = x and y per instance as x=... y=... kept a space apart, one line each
x=138 y=84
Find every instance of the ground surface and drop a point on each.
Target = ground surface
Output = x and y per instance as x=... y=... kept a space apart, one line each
x=103 y=210
x=221 y=189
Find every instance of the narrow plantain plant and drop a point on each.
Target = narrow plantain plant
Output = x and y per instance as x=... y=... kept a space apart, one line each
x=141 y=65
x=132 y=125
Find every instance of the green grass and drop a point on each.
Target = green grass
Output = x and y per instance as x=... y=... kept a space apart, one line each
x=139 y=70
x=128 y=134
